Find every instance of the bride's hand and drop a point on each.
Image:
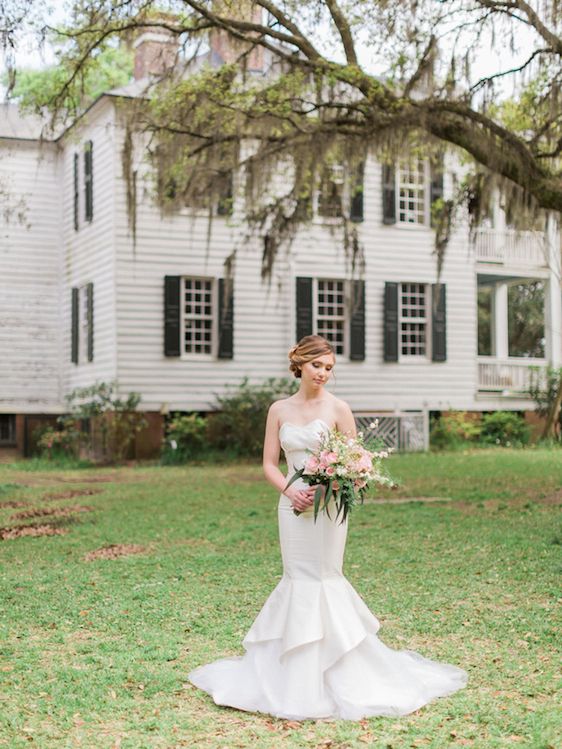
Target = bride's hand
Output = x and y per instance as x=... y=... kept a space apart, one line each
x=301 y=499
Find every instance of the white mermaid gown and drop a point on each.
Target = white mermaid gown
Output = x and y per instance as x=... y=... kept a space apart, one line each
x=313 y=650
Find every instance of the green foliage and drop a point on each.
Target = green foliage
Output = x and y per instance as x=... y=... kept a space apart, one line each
x=111 y=424
x=239 y=421
x=36 y=89
x=186 y=437
x=506 y=428
x=453 y=430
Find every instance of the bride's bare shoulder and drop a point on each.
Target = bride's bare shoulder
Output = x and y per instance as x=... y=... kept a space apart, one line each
x=342 y=408
x=278 y=407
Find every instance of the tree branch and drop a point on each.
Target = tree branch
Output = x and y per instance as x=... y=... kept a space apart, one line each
x=342 y=26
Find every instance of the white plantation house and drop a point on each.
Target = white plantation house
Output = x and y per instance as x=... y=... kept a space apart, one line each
x=82 y=301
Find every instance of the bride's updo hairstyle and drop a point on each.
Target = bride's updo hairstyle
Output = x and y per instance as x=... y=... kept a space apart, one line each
x=308 y=348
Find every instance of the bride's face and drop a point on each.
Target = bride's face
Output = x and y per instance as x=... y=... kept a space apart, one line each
x=318 y=371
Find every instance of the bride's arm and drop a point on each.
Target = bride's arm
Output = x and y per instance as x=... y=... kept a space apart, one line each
x=345 y=421
x=271 y=448
x=300 y=498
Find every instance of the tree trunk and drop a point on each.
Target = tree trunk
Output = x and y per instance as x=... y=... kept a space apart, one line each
x=554 y=413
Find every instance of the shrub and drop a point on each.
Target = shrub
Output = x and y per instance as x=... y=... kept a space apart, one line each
x=186 y=437
x=238 y=423
x=546 y=390
x=506 y=428
x=454 y=429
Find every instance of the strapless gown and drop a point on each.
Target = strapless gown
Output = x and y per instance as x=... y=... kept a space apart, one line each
x=313 y=650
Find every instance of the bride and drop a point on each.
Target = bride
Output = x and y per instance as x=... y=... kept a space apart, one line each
x=313 y=650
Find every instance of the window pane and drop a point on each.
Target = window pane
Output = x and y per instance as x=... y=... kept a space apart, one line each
x=198 y=320
x=330 y=314
x=484 y=301
x=330 y=194
x=525 y=314
x=413 y=319
x=411 y=192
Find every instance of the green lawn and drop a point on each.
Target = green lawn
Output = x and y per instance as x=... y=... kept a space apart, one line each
x=94 y=653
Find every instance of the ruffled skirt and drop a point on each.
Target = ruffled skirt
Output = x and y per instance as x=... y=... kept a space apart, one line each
x=313 y=650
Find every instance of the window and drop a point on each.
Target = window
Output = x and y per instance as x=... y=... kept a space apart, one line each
x=413 y=319
x=412 y=180
x=330 y=312
x=198 y=318
x=330 y=194
x=525 y=315
x=84 y=323
x=7 y=430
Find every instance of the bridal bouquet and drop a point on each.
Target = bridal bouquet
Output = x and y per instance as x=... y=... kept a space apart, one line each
x=343 y=468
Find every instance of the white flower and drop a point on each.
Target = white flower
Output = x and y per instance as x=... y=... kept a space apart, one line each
x=173 y=444
x=374 y=424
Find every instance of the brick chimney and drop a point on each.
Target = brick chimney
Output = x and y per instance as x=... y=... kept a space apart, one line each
x=226 y=49
x=155 y=52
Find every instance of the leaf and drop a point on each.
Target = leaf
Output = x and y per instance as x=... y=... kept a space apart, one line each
x=317 y=498
x=294 y=477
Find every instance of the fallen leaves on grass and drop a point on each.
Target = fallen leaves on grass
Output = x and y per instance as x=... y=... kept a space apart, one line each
x=70 y=494
x=18 y=531
x=58 y=512
x=13 y=503
x=113 y=551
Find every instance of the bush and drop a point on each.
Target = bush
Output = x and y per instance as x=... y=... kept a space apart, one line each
x=454 y=429
x=185 y=438
x=506 y=428
x=238 y=424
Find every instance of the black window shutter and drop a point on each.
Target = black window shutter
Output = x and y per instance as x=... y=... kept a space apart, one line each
x=74 y=327
x=388 y=194
x=76 y=193
x=226 y=319
x=89 y=180
x=357 y=321
x=436 y=188
x=304 y=307
x=90 y=299
x=357 y=180
x=439 y=322
x=391 y=321
x=172 y=315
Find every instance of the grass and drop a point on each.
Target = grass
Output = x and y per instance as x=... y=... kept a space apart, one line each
x=95 y=654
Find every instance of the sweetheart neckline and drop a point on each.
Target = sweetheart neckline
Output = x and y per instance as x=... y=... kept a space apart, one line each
x=308 y=423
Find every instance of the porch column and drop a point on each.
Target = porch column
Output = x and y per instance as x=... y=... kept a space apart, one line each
x=553 y=297
x=501 y=343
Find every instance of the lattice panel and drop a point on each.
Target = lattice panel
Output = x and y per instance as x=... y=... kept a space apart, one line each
x=400 y=431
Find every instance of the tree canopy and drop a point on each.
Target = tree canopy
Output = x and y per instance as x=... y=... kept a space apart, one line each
x=316 y=82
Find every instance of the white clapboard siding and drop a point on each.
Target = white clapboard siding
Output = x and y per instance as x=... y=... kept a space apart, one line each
x=30 y=376
x=40 y=266
x=89 y=253
x=263 y=316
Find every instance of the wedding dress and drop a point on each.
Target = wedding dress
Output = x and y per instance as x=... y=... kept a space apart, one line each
x=313 y=650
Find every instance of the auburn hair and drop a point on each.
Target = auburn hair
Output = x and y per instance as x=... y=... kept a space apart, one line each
x=308 y=348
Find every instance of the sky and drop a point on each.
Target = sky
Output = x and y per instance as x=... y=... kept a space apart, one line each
x=493 y=57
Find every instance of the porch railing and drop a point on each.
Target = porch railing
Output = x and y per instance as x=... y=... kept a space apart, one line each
x=508 y=375
x=510 y=247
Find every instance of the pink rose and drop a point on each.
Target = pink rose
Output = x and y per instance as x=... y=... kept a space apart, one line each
x=331 y=458
x=360 y=483
x=311 y=465
x=330 y=471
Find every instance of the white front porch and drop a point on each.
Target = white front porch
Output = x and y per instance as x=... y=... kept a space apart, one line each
x=511 y=248
x=508 y=377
